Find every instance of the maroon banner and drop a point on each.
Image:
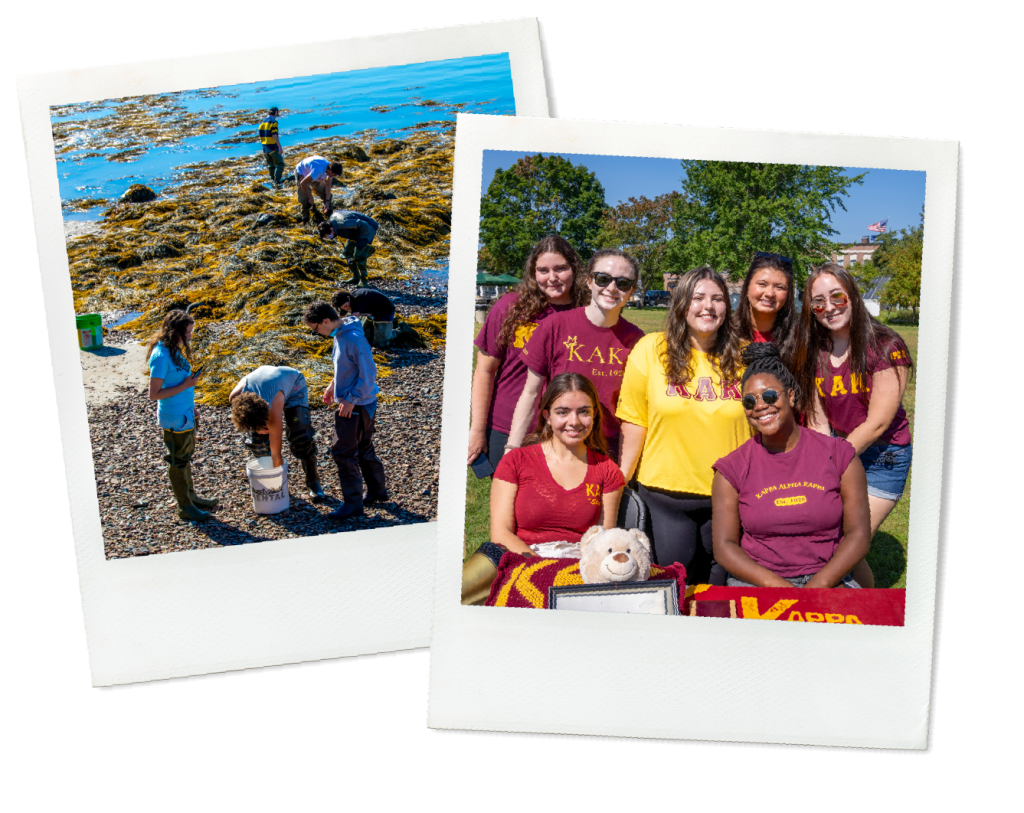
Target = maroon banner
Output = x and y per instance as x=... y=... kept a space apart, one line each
x=878 y=607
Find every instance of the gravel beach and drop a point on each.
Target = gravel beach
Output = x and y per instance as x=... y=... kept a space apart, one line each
x=138 y=513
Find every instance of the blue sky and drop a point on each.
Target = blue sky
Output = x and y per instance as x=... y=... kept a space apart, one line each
x=885 y=193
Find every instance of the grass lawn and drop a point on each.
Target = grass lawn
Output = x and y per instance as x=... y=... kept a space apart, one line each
x=888 y=557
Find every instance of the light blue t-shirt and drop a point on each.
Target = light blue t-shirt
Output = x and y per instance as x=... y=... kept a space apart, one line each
x=176 y=413
x=267 y=382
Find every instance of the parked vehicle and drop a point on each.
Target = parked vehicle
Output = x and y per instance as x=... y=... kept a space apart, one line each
x=653 y=298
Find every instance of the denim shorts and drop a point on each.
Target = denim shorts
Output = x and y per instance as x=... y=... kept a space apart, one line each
x=887 y=468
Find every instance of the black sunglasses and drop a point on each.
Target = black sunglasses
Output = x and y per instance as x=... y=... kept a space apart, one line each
x=769 y=397
x=603 y=280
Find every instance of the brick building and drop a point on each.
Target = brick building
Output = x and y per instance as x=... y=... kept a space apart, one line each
x=854 y=253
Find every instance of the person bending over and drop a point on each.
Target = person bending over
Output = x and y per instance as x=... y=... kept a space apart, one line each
x=359 y=230
x=790 y=506
x=274 y=401
x=371 y=303
x=314 y=175
x=554 y=487
x=354 y=389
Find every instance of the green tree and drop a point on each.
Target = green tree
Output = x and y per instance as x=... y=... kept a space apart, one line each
x=640 y=227
x=898 y=260
x=732 y=210
x=536 y=197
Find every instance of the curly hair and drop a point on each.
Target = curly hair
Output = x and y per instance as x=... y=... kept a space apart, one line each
x=339 y=300
x=867 y=335
x=531 y=298
x=766 y=358
x=249 y=412
x=317 y=311
x=559 y=386
x=172 y=336
x=676 y=357
x=784 y=330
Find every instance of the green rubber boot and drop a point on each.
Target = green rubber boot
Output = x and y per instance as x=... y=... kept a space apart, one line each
x=186 y=509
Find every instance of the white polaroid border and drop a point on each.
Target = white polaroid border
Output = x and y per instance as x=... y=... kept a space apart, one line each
x=281 y=601
x=691 y=678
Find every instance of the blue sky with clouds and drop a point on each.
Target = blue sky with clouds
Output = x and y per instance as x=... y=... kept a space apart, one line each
x=885 y=193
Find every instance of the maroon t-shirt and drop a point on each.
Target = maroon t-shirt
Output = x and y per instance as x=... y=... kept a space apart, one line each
x=546 y=512
x=761 y=338
x=790 y=506
x=841 y=390
x=569 y=342
x=511 y=376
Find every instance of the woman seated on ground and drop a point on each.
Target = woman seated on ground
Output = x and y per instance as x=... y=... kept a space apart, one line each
x=790 y=506
x=553 y=488
x=273 y=401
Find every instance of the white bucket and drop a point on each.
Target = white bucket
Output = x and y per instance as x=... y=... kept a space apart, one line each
x=269 y=484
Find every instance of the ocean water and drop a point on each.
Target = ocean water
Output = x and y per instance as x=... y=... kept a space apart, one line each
x=483 y=84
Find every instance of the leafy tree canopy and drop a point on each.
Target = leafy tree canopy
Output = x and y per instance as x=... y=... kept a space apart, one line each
x=898 y=260
x=732 y=210
x=537 y=197
x=640 y=227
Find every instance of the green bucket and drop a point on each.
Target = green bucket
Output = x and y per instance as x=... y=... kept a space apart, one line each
x=90 y=331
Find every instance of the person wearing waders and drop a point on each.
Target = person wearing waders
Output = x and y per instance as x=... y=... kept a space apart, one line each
x=314 y=174
x=274 y=401
x=359 y=230
x=354 y=390
x=172 y=386
x=370 y=303
x=272 y=150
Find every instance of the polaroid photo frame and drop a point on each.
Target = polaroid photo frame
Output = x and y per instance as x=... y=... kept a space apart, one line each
x=280 y=601
x=714 y=678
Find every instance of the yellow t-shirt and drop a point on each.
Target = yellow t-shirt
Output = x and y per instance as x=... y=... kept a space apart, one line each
x=688 y=428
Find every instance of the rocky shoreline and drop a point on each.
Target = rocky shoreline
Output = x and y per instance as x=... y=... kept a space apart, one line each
x=139 y=515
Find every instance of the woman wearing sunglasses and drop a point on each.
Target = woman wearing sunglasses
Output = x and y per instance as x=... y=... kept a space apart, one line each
x=854 y=371
x=765 y=311
x=680 y=408
x=790 y=504
x=593 y=341
x=552 y=282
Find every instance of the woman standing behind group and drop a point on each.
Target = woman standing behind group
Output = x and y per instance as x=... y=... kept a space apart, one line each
x=765 y=312
x=853 y=371
x=680 y=411
x=552 y=282
x=593 y=341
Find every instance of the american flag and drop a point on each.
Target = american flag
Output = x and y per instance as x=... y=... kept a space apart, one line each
x=879 y=226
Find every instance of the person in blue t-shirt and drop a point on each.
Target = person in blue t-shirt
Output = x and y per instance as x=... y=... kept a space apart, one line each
x=354 y=389
x=172 y=386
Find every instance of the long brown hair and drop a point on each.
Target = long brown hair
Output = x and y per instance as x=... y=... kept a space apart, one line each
x=676 y=358
x=172 y=336
x=559 y=386
x=531 y=298
x=784 y=330
x=866 y=334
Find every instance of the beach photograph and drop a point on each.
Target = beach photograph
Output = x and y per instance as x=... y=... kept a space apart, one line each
x=201 y=225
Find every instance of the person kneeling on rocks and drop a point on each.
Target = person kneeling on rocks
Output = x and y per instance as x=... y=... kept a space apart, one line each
x=354 y=389
x=172 y=386
x=359 y=230
x=374 y=305
x=274 y=401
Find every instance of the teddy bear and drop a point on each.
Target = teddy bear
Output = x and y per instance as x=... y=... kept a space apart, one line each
x=614 y=555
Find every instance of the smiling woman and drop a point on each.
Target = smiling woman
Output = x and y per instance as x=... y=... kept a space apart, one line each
x=790 y=505
x=680 y=411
